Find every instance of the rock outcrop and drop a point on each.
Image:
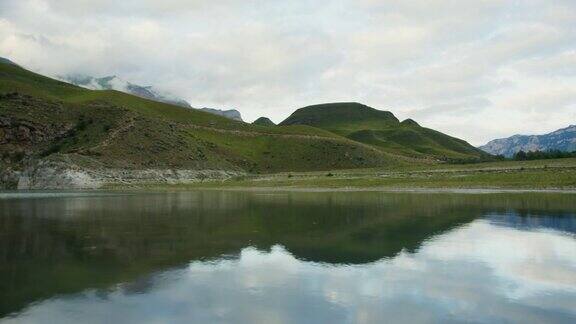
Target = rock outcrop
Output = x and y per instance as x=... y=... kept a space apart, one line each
x=46 y=174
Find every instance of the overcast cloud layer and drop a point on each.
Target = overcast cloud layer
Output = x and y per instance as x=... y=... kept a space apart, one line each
x=474 y=69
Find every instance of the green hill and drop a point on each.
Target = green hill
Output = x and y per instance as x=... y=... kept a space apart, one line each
x=42 y=119
x=382 y=130
x=342 y=118
x=263 y=121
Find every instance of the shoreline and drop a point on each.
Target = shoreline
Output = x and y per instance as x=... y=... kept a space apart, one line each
x=554 y=176
x=40 y=193
x=387 y=190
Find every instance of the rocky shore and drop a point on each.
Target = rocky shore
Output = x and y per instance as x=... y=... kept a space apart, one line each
x=54 y=175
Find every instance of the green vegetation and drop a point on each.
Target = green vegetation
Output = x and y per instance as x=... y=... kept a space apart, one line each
x=381 y=129
x=349 y=144
x=112 y=129
x=549 y=174
x=344 y=117
x=543 y=155
x=263 y=121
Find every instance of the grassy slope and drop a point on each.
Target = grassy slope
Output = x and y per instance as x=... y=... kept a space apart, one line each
x=16 y=79
x=111 y=128
x=382 y=130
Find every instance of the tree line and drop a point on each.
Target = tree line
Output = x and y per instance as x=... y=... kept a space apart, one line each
x=542 y=155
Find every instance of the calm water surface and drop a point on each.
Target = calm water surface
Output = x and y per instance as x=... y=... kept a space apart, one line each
x=252 y=257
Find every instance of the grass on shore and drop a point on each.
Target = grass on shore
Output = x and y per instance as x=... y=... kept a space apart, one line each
x=543 y=174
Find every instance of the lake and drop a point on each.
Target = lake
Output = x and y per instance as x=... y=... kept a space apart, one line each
x=287 y=257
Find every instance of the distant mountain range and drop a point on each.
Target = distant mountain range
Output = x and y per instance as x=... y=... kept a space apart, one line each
x=230 y=113
x=563 y=140
x=116 y=83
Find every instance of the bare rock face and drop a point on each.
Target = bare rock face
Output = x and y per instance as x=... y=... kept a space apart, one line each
x=9 y=178
x=25 y=131
x=59 y=175
x=21 y=139
x=51 y=175
x=18 y=139
x=14 y=131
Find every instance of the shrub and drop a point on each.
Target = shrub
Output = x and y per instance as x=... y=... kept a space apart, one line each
x=542 y=155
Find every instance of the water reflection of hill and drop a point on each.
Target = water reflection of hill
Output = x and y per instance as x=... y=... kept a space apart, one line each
x=64 y=245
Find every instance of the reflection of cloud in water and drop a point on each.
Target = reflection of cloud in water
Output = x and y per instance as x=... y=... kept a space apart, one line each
x=478 y=272
x=528 y=263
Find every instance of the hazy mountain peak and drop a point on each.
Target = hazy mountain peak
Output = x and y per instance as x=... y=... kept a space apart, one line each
x=563 y=139
x=113 y=82
x=4 y=60
x=229 y=113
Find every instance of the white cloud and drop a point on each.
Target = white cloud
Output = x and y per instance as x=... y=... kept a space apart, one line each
x=474 y=69
x=492 y=274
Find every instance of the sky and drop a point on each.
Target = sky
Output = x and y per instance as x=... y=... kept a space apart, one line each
x=477 y=70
